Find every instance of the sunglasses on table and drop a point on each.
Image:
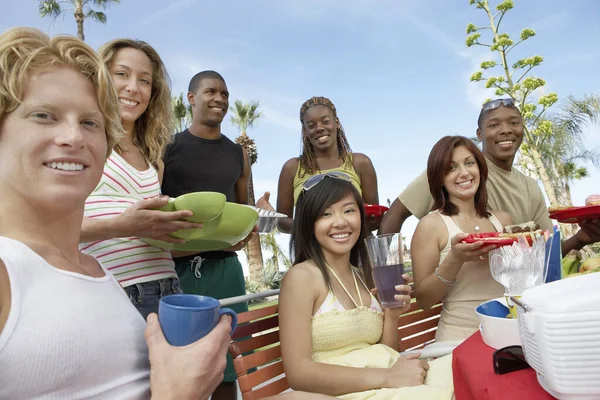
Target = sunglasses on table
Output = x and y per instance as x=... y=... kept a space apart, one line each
x=493 y=104
x=509 y=359
x=316 y=179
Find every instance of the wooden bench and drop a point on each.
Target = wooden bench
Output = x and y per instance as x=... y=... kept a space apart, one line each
x=258 y=331
x=416 y=328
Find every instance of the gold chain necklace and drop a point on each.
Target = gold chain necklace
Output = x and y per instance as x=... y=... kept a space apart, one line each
x=471 y=222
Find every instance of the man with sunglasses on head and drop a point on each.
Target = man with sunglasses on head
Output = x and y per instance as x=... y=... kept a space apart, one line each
x=500 y=129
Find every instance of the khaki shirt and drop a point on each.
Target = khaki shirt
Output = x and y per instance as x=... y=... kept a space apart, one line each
x=509 y=191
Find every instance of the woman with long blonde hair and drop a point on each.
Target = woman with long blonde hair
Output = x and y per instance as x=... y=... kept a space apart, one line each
x=122 y=208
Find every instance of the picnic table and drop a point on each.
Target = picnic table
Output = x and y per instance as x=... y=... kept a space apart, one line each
x=474 y=377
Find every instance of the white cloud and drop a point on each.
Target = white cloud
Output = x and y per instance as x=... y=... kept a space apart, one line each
x=277 y=108
x=476 y=92
x=182 y=67
x=344 y=10
x=282 y=119
x=435 y=34
x=265 y=185
x=173 y=7
x=193 y=65
x=553 y=22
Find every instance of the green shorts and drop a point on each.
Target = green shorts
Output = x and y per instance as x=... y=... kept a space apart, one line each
x=215 y=277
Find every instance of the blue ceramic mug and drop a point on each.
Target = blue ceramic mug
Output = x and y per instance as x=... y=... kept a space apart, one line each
x=185 y=318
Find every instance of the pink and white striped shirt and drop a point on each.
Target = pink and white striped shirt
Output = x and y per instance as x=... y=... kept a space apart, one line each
x=130 y=260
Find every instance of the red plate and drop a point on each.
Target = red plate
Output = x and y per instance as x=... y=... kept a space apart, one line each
x=576 y=214
x=489 y=238
x=375 y=209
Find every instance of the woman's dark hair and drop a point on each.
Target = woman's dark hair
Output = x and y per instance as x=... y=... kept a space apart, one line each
x=309 y=208
x=438 y=166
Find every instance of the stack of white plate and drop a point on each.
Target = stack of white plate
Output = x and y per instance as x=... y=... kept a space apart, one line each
x=560 y=331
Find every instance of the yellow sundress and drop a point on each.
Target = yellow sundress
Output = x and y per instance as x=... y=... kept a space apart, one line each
x=350 y=338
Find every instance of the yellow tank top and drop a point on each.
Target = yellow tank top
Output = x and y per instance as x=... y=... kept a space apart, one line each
x=347 y=168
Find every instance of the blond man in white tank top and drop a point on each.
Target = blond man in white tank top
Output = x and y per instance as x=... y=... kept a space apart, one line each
x=446 y=270
x=67 y=330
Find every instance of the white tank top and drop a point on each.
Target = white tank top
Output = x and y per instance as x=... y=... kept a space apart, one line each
x=474 y=285
x=68 y=336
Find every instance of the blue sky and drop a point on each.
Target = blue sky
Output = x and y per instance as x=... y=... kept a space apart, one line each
x=397 y=70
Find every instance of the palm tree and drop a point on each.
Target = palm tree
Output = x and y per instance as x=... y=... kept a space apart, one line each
x=81 y=10
x=571 y=172
x=278 y=257
x=244 y=116
x=272 y=273
x=565 y=148
x=182 y=113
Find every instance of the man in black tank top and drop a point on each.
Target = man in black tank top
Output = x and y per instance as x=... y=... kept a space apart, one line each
x=202 y=159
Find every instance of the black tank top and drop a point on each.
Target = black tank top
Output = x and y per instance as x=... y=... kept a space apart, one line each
x=193 y=164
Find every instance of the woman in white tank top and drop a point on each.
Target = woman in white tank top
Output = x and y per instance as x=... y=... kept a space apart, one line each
x=446 y=270
x=67 y=329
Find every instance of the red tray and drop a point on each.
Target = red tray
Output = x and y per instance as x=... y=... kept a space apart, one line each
x=489 y=238
x=375 y=209
x=576 y=214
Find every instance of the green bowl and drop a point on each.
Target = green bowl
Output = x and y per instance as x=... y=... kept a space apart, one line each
x=234 y=223
x=169 y=207
x=206 y=206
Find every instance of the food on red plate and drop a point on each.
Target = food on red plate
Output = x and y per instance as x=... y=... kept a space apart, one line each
x=528 y=230
x=553 y=209
x=489 y=238
x=511 y=234
x=593 y=200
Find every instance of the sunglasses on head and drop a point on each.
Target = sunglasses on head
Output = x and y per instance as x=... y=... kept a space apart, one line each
x=315 y=179
x=493 y=104
x=509 y=359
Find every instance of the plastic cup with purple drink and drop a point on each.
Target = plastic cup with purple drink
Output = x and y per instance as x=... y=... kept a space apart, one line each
x=385 y=254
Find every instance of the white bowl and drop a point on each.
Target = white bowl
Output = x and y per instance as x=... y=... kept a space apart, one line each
x=498 y=332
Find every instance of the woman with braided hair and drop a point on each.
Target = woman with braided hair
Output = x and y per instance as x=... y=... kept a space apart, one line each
x=325 y=149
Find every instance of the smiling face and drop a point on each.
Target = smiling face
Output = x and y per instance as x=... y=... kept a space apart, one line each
x=210 y=103
x=320 y=127
x=338 y=228
x=501 y=132
x=53 y=145
x=131 y=71
x=462 y=179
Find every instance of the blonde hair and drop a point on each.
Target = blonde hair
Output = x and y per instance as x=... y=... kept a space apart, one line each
x=152 y=131
x=25 y=51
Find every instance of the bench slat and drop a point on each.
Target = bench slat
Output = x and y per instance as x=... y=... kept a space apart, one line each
x=249 y=381
x=418 y=316
x=256 y=326
x=257 y=342
x=258 y=358
x=417 y=340
x=271 y=389
x=257 y=314
x=419 y=327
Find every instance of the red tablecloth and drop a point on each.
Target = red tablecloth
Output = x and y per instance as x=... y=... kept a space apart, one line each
x=474 y=377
